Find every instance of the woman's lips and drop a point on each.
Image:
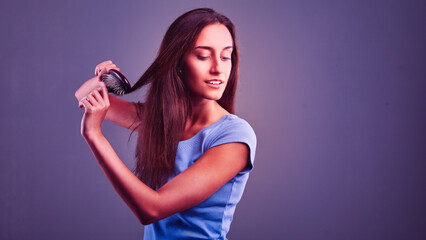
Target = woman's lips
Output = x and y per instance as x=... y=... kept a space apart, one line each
x=214 y=83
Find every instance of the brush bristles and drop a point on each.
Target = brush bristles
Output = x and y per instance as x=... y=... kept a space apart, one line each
x=115 y=84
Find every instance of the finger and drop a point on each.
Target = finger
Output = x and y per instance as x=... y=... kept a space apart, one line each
x=98 y=96
x=98 y=70
x=86 y=104
x=92 y=100
x=105 y=94
x=101 y=65
x=103 y=71
x=105 y=62
x=108 y=68
x=80 y=103
x=106 y=71
x=116 y=68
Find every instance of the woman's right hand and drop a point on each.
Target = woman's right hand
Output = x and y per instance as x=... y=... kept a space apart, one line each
x=94 y=82
x=105 y=67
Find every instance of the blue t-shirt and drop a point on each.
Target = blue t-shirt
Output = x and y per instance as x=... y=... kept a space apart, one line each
x=211 y=218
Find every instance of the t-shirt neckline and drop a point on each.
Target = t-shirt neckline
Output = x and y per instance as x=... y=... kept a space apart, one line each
x=207 y=127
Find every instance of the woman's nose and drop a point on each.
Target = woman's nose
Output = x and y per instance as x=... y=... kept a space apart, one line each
x=216 y=66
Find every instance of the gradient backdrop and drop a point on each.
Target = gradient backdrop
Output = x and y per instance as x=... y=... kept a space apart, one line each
x=335 y=91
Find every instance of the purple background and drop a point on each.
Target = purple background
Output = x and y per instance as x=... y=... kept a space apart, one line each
x=334 y=90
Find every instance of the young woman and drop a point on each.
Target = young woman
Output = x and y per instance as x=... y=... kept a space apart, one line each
x=193 y=154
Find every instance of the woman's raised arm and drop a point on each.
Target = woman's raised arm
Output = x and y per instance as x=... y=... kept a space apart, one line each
x=121 y=112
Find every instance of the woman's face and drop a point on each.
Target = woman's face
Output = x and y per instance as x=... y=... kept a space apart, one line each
x=208 y=65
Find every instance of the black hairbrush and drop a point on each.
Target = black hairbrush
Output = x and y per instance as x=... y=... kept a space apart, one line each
x=116 y=82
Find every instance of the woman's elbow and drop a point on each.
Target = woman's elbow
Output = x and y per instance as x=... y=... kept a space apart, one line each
x=148 y=218
x=144 y=221
x=150 y=213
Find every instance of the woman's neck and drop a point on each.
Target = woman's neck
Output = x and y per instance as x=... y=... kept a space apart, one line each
x=205 y=113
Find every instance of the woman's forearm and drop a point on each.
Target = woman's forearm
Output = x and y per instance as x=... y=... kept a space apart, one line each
x=141 y=199
x=121 y=112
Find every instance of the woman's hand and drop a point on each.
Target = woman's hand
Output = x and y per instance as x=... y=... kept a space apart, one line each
x=96 y=105
x=94 y=83
x=105 y=67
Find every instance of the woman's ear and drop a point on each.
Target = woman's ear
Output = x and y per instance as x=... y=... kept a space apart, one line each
x=180 y=67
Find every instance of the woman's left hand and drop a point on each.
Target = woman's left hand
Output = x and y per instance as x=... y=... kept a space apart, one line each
x=96 y=105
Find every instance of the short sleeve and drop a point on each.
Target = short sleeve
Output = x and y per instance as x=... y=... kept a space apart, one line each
x=236 y=130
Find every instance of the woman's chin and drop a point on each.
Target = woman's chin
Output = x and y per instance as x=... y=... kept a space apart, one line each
x=215 y=97
x=210 y=96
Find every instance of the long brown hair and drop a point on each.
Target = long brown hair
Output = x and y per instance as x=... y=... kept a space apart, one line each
x=163 y=116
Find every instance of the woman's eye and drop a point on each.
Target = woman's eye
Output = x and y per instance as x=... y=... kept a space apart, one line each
x=202 y=57
x=226 y=58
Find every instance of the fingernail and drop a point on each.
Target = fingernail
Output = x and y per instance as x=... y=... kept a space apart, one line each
x=102 y=84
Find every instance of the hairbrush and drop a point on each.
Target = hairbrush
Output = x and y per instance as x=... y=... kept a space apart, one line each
x=116 y=82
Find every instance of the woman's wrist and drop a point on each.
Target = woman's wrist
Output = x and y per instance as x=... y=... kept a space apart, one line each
x=91 y=135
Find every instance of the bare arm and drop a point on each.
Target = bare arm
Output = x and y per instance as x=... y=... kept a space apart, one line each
x=121 y=112
x=211 y=171
x=216 y=167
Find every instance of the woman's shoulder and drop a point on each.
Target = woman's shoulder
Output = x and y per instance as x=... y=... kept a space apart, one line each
x=229 y=128
x=232 y=121
x=232 y=128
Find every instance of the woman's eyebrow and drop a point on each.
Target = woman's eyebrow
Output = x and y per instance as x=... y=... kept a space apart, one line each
x=210 y=48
